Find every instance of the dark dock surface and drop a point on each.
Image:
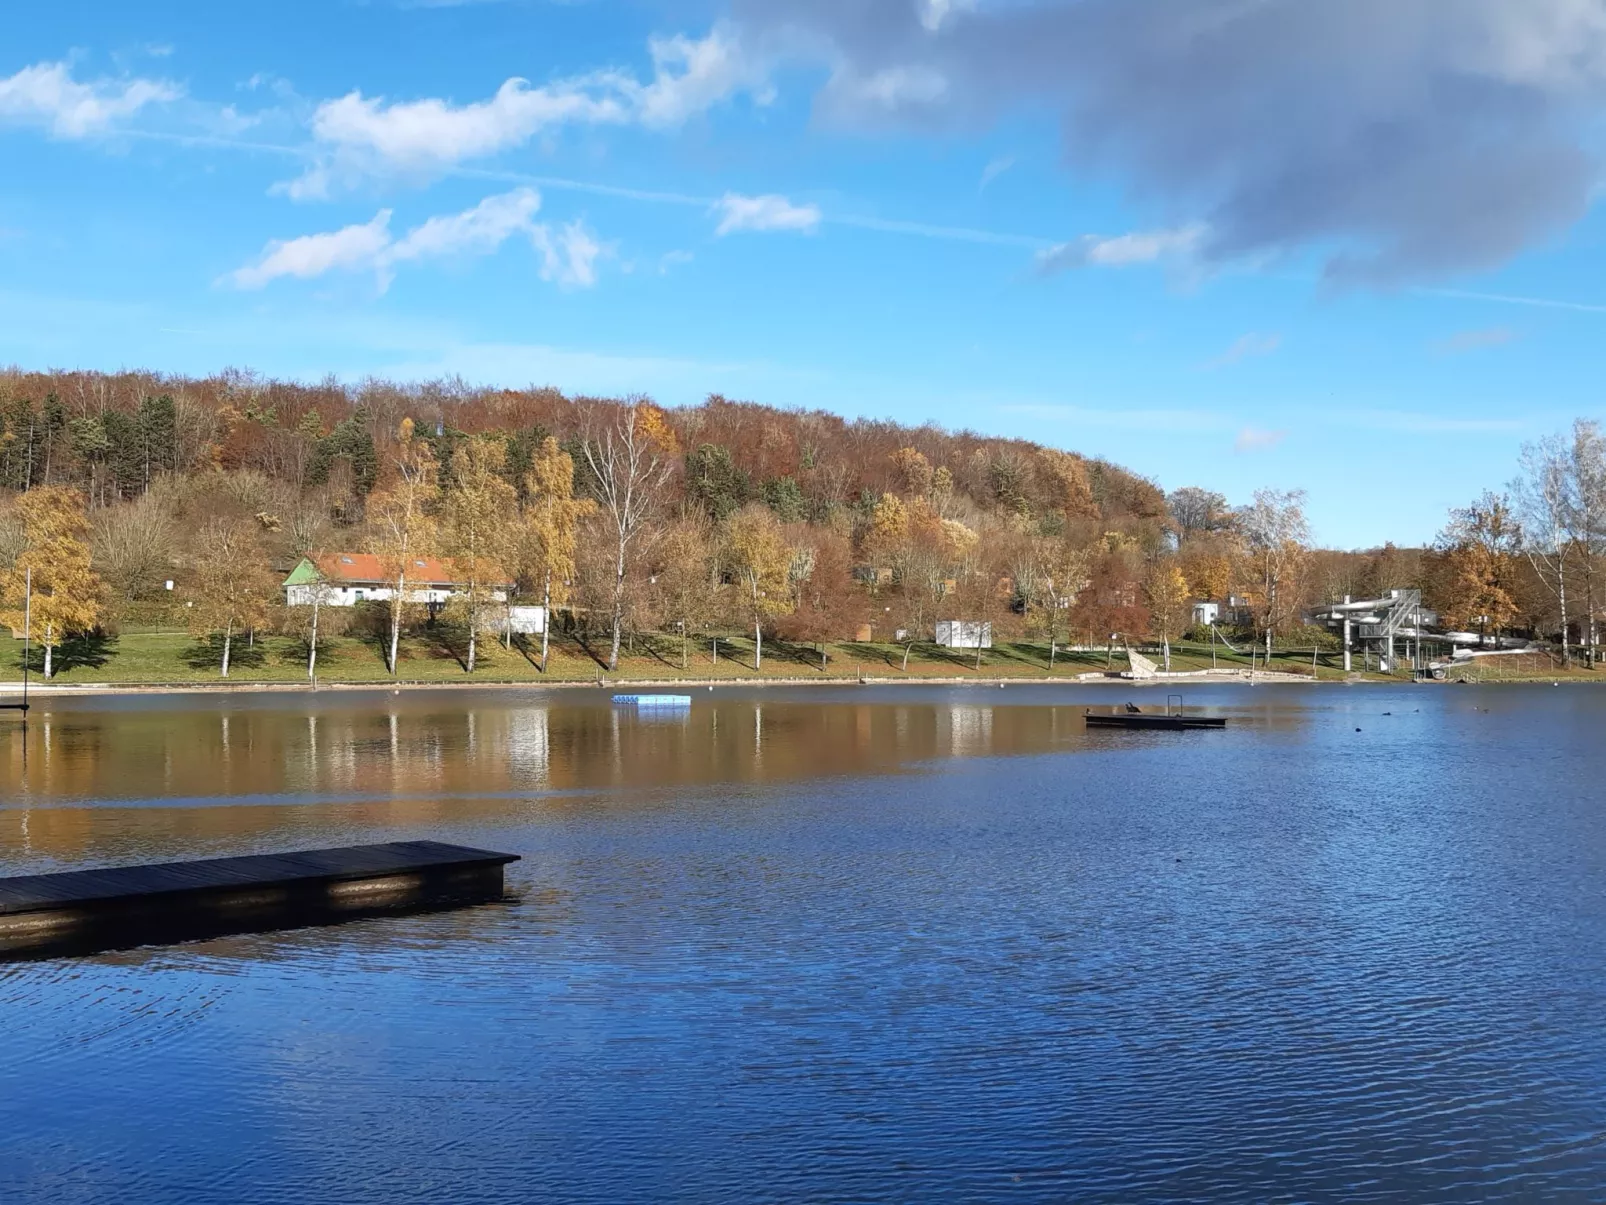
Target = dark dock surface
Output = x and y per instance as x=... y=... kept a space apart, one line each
x=1162 y=723
x=79 y=911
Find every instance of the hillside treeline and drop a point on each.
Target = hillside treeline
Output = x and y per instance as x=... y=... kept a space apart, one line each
x=629 y=518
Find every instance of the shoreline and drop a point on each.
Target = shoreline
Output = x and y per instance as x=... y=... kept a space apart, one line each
x=703 y=684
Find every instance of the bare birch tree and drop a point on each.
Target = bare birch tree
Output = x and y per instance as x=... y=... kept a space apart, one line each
x=1275 y=530
x=1544 y=500
x=630 y=459
x=1587 y=518
x=316 y=594
x=404 y=530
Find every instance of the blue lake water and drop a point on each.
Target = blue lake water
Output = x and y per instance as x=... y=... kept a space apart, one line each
x=836 y=944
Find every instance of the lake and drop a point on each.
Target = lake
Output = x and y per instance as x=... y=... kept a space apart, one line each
x=835 y=944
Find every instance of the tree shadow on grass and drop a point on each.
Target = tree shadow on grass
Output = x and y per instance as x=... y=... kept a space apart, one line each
x=1033 y=655
x=447 y=642
x=930 y=651
x=805 y=654
x=208 y=654
x=655 y=649
x=583 y=639
x=525 y=648
x=88 y=650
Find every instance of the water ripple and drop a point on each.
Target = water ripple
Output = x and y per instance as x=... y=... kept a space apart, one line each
x=1275 y=966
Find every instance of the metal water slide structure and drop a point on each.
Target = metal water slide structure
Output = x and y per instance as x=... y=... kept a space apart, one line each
x=1376 y=624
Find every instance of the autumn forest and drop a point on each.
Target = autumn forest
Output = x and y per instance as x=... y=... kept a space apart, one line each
x=135 y=502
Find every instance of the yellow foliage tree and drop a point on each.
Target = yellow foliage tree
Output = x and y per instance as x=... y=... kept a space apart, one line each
x=653 y=423
x=914 y=472
x=233 y=586
x=1209 y=573
x=888 y=530
x=66 y=594
x=757 y=557
x=480 y=513
x=1071 y=490
x=551 y=519
x=403 y=530
x=1167 y=591
x=688 y=588
x=1067 y=570
x=959 y=542
x=1480 y=548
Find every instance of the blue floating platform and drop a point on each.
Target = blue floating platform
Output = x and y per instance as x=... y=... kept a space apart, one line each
x=653 y=700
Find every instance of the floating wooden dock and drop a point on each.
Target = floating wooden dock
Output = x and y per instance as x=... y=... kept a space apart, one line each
x=1163 y=723
x=1174 y=719
x=80 y=911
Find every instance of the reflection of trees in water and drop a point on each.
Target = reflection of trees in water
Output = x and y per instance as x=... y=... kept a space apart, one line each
x=296 y=775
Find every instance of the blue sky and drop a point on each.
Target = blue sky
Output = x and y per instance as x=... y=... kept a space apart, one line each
x=1085 y=223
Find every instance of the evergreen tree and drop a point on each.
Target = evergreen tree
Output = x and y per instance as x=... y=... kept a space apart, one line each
x=715 y=483
x=785 y=497
x=157 y=424
x=349 y=441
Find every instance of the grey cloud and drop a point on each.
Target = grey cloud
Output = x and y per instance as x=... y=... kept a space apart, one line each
x=1401 y=139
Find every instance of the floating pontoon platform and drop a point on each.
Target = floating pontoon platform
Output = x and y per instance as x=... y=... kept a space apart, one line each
x=1175 y=718
x=1164 y=723
x=80 y=911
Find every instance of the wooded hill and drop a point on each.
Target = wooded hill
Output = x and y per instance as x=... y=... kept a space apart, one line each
x=629 y=518
x=111 y=435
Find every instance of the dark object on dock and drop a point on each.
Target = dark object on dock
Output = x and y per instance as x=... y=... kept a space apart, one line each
x=1174 y=719
x=80 y=911
x=22 y=707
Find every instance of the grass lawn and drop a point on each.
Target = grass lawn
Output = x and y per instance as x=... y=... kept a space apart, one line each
x=174 y=658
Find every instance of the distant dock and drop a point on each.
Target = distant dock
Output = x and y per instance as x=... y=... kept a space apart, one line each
x=81 y=911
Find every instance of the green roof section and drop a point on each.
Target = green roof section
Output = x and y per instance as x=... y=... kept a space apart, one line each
x=304 y=574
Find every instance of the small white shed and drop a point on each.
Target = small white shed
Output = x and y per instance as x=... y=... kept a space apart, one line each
x=964 y=634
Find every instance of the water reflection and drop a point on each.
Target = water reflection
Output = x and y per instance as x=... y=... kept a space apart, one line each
x=244 y=767
x=436 y=745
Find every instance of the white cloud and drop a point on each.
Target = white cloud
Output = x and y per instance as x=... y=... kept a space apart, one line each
x=672 y=260
x=691 y=76
x=46 y=95
x=1254 y=439
x=771 y=212
x=568 y=257
x=361 y=136
x=1142 y=247
x=350 y=248
x=477 y=231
